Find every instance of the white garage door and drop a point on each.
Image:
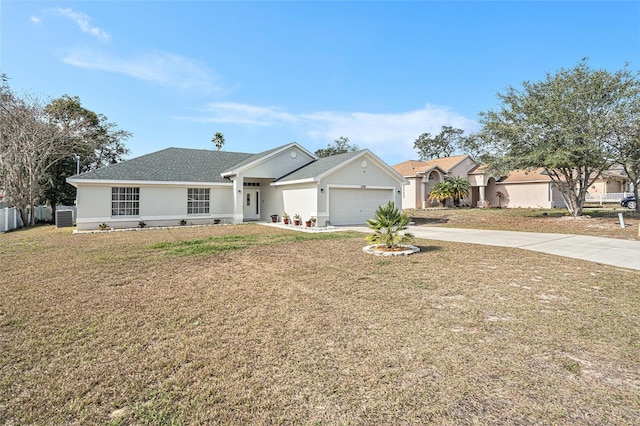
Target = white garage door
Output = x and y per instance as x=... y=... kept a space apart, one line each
x=355 y=206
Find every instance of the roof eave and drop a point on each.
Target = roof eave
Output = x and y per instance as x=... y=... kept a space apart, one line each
x=104 y=182
x=293 y=182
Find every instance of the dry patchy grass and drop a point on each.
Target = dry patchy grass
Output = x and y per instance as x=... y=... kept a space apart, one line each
x=121 y=329
x=597 y=222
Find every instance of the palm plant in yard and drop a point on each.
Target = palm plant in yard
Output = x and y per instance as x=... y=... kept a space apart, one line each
x=459 y=189
x=389 y=226
x=441 y=191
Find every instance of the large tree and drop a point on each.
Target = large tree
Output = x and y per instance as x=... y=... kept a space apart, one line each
x=340 y=146
x=564 y=124
x=444 y=144
x=97 y=143
x=28 y=145
x=38 y=141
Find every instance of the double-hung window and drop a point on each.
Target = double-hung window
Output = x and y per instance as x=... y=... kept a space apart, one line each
x=125 y=201
x=198 y=200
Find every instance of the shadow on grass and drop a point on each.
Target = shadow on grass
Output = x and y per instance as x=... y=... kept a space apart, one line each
x=429 y=220
x=428 y=249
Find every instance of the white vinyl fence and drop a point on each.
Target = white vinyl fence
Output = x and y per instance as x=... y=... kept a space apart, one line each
x=45 y=213
x=10 y=217
x=613 y=197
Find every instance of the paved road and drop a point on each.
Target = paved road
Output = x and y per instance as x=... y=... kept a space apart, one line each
x=609 y=251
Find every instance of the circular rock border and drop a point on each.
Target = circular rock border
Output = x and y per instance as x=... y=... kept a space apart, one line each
x=408 y=250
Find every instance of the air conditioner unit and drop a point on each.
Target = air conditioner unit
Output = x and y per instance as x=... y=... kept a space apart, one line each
x=64 y=218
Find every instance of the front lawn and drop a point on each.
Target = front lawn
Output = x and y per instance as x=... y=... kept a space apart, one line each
x=597 y=222
x=255 y=325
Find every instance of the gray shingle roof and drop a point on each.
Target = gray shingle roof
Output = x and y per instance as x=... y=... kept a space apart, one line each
x=171 y=165
x=318 y=167
x=251 y=158
x=199 y=165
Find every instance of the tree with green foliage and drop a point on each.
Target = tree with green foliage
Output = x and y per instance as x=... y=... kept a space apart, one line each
x=340 y=146
x=38 y=141
x=441 y=192
x=459 y=189
x=389 y=226
x=444 y=144
x=218 y=140
x=97 y=143
x=565 y=125
x=474 y=145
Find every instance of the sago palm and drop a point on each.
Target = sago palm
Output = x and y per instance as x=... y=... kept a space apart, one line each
x=388 y=226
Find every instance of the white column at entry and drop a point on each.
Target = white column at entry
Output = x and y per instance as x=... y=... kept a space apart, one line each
x=238 y=206
x=481 y=202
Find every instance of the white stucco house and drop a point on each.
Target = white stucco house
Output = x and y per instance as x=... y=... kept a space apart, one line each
x=203 y=186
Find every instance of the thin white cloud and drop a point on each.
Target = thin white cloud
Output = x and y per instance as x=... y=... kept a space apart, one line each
x=83 y=22
x=382 y=133
x=237 y=113
x=161 y=68
x=35 y=20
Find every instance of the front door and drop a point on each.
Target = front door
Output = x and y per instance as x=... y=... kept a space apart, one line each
x=251 y=204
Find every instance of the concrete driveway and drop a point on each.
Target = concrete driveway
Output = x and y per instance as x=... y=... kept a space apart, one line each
x=608 y=251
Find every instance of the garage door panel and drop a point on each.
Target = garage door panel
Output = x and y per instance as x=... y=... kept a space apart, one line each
x=355 y=206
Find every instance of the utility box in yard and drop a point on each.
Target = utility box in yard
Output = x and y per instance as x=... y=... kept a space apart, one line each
x=64 y=218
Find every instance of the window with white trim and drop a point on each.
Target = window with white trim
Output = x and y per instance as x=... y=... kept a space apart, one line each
x=125 y=201
x=198 y=200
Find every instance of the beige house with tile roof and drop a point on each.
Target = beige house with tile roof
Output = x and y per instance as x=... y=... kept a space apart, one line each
x=523 y=189
x=612 y=181
x=423 y=175
x=527 y=189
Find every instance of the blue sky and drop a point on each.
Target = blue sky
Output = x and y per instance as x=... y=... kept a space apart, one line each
x=267 y=73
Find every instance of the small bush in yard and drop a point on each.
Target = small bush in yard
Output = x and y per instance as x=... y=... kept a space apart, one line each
x=388 y=226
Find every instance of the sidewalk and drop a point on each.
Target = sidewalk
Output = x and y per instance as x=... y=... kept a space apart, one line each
x=609 y=251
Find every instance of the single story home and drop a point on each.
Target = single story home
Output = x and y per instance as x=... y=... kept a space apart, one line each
x=423 y=175
x=613 y=181
x=195 y=186
x=518 y=189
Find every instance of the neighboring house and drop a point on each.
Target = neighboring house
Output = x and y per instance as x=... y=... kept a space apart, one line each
x=522 y=189
x=613 y=181
x=518 y=188
x=202 y=187
x=423 y=175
